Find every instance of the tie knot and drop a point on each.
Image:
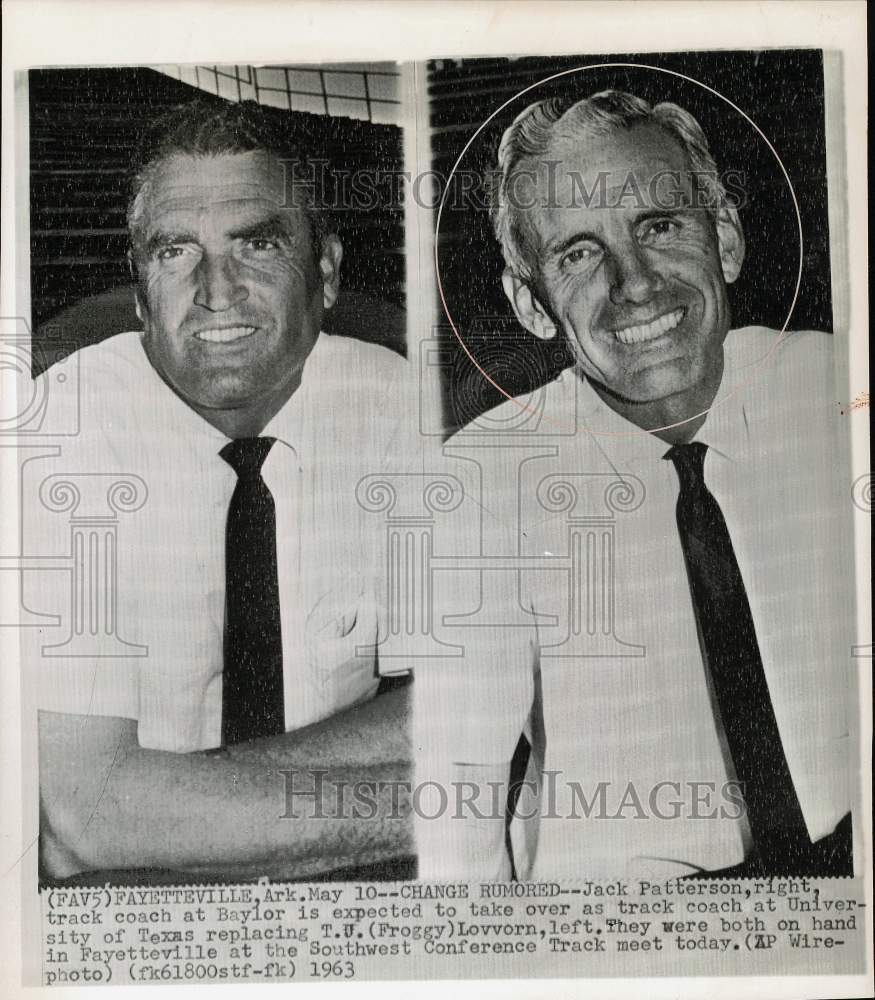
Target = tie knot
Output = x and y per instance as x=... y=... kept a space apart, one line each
x=689 y=461
x=246 y=455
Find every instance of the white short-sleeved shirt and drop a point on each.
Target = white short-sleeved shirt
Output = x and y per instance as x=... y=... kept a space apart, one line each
x=352 y=416
x=777 y=465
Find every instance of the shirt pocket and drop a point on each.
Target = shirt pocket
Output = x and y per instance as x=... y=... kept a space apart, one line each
x=340 y=633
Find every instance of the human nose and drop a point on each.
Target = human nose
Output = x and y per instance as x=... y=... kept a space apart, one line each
x=219 y=283
x=633 y=276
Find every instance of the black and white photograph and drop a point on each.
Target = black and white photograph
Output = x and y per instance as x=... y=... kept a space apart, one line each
x=237 y=338
x=436 y=498
x=678 y=720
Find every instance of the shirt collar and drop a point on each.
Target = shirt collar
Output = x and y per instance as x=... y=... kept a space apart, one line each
x=296 y=423
x=725 y=430
x=290 y=424
x=188 y=428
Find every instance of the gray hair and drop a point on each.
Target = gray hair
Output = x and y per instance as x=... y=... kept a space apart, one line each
x=534 y=131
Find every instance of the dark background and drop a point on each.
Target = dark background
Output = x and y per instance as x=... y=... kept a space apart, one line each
x=781 y=90
x=84 y=127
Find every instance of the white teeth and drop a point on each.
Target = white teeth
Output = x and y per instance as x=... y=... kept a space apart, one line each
x=226 y=335
x=638 y=334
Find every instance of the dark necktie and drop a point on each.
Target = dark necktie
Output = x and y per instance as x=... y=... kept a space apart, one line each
x=252 y=681
x=733 y=658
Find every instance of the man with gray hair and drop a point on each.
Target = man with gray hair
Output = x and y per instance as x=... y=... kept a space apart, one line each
x=698 y=722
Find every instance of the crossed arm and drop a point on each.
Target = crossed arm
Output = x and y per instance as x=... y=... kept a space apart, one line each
x=108 y=803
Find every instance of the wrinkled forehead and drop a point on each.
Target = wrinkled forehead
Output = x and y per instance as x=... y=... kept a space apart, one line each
x=225 y=185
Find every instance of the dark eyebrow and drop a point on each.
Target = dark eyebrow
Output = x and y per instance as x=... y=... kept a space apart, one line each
x=662 y=213
x=269 y=228
x=557 y=249
x=273 y=226
x=163 y=238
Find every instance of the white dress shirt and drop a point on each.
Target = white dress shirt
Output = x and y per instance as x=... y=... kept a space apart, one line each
x=777 y=465
x=352 y=416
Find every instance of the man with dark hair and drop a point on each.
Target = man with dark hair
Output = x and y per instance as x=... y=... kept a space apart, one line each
x=219 y=739
x=684 y=677
x=206 y=127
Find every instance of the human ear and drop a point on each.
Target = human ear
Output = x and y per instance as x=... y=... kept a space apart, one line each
x=329 y=268
x=132 y=270
x=730 y=240
x=527 y=309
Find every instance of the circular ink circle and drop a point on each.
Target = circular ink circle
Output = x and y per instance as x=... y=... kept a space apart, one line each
x=725 y=396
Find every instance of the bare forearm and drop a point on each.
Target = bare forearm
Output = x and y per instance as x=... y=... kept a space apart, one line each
x=368 y=734
x=205 y=814
x=290 y=806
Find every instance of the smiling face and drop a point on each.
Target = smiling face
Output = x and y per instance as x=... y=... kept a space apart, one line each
x=230 y=291
x=631 y=267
